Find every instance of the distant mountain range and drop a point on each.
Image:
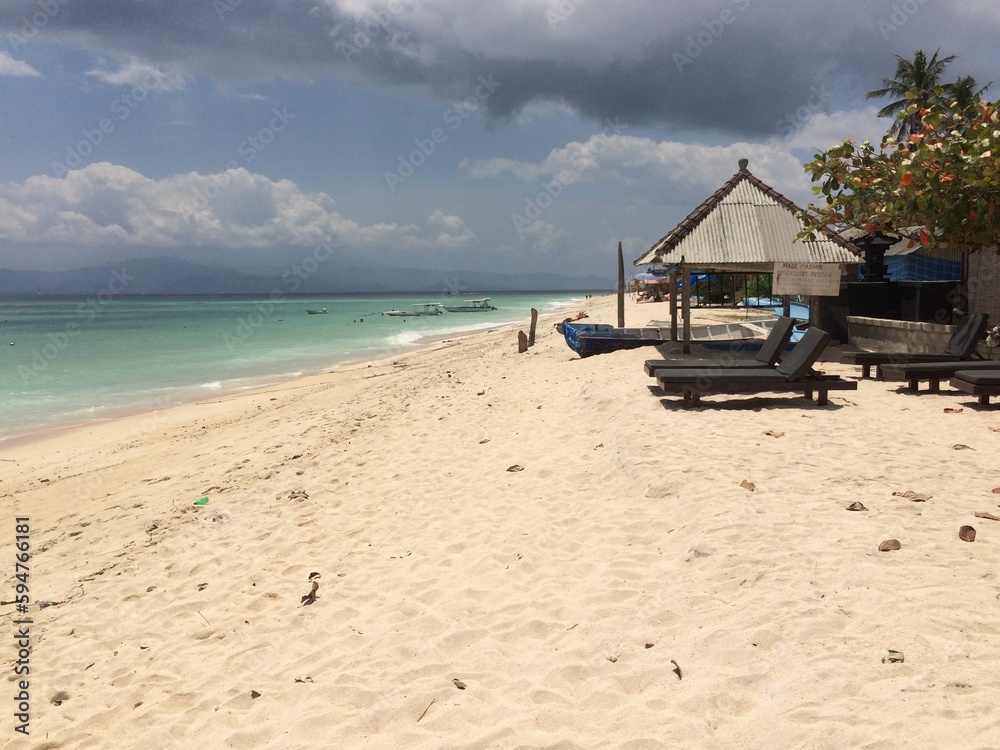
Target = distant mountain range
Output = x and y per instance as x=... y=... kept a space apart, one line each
x=172 y=276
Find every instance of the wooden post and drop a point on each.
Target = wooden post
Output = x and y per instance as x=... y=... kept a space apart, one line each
x=621 y=288
x=686 y=307
x=964 y=304
x=531 y=330
x=673 y=306
x=522 y=342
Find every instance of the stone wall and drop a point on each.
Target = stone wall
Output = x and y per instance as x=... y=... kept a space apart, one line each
x=883 y=335
x=984 y=284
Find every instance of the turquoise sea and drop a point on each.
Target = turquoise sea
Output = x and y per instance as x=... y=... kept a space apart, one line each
x=65 y=361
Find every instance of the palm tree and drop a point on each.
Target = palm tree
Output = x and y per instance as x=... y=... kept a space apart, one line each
x=920 y=77
x=962 y=93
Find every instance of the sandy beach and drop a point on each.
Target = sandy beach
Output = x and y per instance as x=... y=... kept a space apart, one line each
x=513 y=551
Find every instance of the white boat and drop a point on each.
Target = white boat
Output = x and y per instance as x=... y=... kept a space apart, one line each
x=472 y=305
x=321 y=311
x=424 y=308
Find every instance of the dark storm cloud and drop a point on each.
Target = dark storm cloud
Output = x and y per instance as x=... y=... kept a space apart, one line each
x=737 y=66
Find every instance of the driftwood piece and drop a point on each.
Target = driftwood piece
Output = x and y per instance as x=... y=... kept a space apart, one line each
x=522 y=342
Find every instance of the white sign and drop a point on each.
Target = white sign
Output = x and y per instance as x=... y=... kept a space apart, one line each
x=810 y=279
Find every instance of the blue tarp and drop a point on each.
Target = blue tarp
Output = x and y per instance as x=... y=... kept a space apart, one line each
x=661 y=273
x=915 y=267
x=921 y=268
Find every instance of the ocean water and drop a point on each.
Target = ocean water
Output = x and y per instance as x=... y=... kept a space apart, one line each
x=65 y=361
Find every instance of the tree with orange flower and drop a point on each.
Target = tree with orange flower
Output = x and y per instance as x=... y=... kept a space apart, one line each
x=938 y=185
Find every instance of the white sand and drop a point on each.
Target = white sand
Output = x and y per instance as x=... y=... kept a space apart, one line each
x=560 y=595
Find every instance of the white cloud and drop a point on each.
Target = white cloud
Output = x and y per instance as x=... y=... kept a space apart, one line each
x=544 y=238
x=452 y=232
x=541 y=110
x=647 y=166
x=110 y=205
x=644 y=185
x=16 y=68
x=140 y=74
x=823 y=130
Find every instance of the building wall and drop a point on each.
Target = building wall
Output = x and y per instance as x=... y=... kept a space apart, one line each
x=984 y=284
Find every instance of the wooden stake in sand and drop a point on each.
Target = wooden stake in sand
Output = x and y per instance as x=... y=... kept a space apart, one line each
x=522 y=342
x=621 y=287
x=531 y=329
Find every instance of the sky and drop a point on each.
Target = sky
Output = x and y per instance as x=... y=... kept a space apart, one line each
x=516 y=135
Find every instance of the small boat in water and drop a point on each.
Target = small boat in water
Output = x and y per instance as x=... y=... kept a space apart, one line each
x=321 y=311
x=472 y=305
x=425 y=308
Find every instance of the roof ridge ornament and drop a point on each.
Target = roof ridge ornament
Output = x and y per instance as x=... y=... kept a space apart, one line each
x=744 y=163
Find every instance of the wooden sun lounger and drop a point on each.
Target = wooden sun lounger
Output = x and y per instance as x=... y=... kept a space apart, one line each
x=759 y=382
x=981 y=383
x=934 y=372
x=777 y=339
x=794 y=374
x=961 y=345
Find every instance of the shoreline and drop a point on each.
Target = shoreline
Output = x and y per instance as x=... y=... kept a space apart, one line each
x=423 y=343
x=606 y=303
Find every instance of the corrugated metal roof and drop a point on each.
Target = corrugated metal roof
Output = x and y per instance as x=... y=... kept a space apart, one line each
x=746 y=225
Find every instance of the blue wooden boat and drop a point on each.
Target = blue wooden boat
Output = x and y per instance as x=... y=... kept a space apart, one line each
x=588 y=339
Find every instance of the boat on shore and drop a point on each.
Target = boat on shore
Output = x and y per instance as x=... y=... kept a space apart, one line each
x=471 y=305
x=423 y=308
x=321 y=311
x=587 y=339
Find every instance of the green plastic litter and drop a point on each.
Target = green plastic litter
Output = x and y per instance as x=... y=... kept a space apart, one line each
x=894 y=657
x=201 y=501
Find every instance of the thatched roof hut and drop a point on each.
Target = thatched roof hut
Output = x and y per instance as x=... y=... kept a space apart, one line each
x=744 y=226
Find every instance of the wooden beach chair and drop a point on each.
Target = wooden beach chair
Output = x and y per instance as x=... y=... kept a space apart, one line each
x=981 y=383
x=768 y=354
x=934 y=372
x=794 y=374
x=961 y=345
